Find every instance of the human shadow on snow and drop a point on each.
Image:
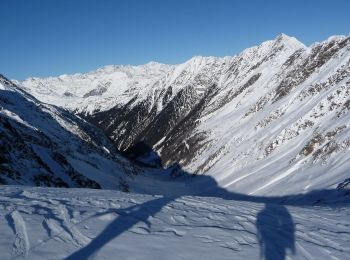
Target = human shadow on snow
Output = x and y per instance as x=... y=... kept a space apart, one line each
x=126 y=219
x=275 y=232
x=274 y=224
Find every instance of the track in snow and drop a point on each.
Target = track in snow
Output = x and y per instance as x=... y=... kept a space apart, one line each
x=21 y=241
x=46 y=223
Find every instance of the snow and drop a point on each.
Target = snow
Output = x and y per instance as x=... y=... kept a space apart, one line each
x=95 y=167
x=42 y=223
x=254 y=145
x=240 y=141
x=39 y=139
x=292 y=42
x=72 y=91
x=261 y=193
x=125 y=81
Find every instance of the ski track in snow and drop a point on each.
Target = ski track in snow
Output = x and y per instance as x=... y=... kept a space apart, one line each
x=61 y=223
x=21 y=241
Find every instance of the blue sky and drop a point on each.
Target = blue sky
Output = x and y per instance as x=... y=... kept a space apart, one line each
x=53 y=37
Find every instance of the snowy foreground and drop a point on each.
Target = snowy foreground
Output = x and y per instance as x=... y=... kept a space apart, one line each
x=51 y=223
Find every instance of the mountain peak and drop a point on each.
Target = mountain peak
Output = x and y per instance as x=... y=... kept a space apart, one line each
x=153 y=63
x=290 y=41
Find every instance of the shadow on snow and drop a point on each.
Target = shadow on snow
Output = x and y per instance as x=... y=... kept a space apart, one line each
x=274 y=224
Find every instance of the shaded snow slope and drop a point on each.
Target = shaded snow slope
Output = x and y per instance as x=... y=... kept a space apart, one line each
x=45 y=145
x=42 y=223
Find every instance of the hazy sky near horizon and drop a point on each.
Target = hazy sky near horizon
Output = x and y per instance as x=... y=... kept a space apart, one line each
x=43 y=38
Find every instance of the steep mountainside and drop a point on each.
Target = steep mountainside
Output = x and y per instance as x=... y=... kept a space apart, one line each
x=273 y=119
x=45 y=145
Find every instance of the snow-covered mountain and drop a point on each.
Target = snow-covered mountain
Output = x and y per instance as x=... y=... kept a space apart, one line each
x=45 y=145
x=273 y=119
x=98 y=90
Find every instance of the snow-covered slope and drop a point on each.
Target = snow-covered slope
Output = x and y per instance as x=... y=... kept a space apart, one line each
x=272 y=120
x=45 y=145
x=48 y=223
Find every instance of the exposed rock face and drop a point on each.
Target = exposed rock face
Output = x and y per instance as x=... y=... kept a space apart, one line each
x=275 y=114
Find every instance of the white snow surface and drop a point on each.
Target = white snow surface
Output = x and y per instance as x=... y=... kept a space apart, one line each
x=52 y=223
x=97 y=90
